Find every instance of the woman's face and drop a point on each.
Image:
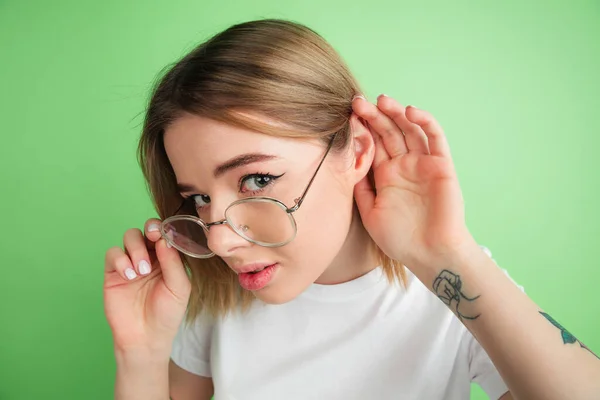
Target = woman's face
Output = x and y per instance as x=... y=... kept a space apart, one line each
x=280 y=168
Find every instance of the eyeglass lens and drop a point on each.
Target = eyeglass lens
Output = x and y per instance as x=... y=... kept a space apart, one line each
x=261 y=221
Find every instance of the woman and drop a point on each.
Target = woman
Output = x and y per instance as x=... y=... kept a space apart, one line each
x=289 y=209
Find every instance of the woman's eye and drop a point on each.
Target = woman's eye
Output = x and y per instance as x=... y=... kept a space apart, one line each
x=253 y=183
x=201 y=200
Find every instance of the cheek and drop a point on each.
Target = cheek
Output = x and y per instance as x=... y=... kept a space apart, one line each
x=323 y=223
x=322 y=229
x=321 y=234
x=325 y=214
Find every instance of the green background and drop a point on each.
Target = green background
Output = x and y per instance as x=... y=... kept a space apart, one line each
x=515 y=86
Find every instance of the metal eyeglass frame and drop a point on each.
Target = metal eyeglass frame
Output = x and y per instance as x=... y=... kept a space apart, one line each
x=238 y=230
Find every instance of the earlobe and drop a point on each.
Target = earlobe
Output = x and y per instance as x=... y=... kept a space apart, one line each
x=363 y=146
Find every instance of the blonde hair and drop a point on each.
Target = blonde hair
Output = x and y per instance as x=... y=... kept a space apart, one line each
x=274 y=68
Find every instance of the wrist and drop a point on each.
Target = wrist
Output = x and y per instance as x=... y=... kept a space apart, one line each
x=142 y=374
x=458 y=279
x=132 y=356
x=457 y=257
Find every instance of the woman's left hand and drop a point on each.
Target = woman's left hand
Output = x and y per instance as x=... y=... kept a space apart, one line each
x=416 y=213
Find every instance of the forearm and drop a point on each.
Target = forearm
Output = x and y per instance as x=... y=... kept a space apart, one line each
x=536 y=359
x=142 y=375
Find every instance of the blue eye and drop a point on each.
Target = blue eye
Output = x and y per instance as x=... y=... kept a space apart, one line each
x=257 y=182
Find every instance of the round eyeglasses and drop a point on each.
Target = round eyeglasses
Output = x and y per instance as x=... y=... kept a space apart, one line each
x=264 y=221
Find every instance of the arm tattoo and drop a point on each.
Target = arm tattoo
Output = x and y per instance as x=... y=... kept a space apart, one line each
x=448 y=288
x=566 y=335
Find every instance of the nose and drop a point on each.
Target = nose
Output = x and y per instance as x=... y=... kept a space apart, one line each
x=223 y=241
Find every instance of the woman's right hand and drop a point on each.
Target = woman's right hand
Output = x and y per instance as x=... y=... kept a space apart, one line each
x=144 y=313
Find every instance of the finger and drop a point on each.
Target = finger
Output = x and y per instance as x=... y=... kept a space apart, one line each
x=135 y=245
x=438 y=144
x=174 y=273
x=117 y=261
x=415 y=138
x=393 y=138
x=152 y=232
x=381 y=153
x=364 y=193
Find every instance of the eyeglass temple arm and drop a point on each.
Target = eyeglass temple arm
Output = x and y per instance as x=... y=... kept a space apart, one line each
x=299 y=200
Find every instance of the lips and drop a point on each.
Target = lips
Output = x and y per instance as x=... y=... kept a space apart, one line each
x=258 y=277
x=258 y=270
x=254 y=267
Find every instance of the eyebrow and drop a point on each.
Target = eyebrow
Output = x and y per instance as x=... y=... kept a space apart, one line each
x=236 y=162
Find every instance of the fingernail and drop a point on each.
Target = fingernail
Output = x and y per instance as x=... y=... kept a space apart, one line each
x=383 y=95
x=144 y=267
x=153 y=228
x=130 y=273
x=169 y=245
x=359 y=96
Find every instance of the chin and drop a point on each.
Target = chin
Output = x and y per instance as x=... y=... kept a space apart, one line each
x=277 y=294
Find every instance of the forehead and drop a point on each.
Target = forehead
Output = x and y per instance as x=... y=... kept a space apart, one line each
x=201 y=143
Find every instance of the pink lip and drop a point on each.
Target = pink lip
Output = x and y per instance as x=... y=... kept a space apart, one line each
x=259 y=280
x=251 y=267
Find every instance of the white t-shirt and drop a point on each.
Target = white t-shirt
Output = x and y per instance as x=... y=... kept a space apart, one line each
x=363 y=339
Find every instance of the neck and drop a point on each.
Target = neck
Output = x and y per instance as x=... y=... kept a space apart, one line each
x=356 y=258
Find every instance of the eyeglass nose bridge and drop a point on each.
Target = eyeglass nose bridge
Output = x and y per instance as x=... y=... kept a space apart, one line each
x=224 y=221
x=221 y=222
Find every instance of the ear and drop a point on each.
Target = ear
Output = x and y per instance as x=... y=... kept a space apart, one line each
x=363 y=146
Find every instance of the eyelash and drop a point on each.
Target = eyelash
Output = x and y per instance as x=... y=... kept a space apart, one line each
x=243 y=179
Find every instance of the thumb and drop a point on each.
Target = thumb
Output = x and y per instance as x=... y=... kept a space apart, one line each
x=174 y=273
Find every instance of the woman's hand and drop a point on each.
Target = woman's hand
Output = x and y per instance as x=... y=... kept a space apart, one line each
x=144 y=312
x=416 y=212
